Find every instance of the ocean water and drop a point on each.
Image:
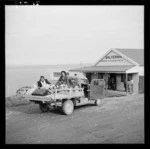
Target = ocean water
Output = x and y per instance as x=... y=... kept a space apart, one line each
x=19 y=76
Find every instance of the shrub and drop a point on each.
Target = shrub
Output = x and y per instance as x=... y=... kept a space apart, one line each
x=15 y=101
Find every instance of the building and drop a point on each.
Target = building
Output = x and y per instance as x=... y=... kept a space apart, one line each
x=119 y=65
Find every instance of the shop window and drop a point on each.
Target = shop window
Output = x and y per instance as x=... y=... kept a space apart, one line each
x=100 y=76
x=96 y=82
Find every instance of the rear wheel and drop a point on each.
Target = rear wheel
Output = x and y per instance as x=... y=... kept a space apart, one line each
x=97 y=102
x=44 y=107
x=68 y=107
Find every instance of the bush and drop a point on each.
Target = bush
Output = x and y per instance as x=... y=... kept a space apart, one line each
x=15 y=101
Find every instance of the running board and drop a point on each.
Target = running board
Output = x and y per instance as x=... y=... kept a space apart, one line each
x=83 y=101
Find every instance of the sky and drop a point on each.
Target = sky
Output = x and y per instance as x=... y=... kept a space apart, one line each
x=49 y=35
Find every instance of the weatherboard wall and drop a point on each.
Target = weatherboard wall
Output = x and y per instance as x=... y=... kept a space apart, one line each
x=135 y=78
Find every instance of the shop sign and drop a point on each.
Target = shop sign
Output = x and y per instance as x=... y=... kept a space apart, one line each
x=112 y=57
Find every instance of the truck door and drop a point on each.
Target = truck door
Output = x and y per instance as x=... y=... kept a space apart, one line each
x=97 y=89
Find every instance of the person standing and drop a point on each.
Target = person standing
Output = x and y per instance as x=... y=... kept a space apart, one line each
x=77 y=80
x=109 y=83
x=125 y=85
x=130 y=85
x=113 y=83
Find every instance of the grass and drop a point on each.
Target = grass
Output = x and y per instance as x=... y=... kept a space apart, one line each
x=15 y=101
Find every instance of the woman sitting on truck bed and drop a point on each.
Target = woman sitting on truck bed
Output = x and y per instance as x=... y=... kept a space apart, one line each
x=63 y=80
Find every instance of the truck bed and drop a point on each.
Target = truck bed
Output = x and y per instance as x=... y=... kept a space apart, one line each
x=58 y=95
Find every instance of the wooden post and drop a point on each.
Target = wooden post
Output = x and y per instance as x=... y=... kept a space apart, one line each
x=126 y=84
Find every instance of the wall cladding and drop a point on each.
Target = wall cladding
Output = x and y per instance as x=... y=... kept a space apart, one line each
x=141 y=84
x=135 y=78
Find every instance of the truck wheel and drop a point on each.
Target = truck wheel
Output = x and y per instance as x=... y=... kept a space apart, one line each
x=68 y=107
x=97 y=102
x=44 y=107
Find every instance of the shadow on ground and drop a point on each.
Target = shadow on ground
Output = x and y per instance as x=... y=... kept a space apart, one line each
x=34 y=109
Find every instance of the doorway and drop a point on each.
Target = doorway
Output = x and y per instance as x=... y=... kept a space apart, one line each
x=88 y=75
x=112 y=82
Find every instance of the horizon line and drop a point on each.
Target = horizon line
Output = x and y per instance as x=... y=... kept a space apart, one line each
x=45 y=64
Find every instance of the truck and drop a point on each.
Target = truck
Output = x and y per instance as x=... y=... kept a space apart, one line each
x=68 y=98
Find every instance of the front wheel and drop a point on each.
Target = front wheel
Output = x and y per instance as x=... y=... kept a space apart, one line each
x=68 y=107
x=97 y=102
x=44 y=107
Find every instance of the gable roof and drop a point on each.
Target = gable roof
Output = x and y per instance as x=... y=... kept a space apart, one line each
x=136 y=55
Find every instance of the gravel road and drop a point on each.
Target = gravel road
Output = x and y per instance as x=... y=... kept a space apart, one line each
x=117 y=120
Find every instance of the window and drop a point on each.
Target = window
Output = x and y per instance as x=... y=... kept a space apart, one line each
x=100 y=76
x=123 y=77
x=96 y=82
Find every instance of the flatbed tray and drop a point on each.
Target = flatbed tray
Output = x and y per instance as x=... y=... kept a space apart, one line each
x=59 y=94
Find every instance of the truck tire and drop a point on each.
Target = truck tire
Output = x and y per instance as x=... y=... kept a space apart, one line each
x=68 y=107
x=97 y=102
x=44 y=107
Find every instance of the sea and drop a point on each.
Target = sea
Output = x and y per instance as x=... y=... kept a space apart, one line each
x=19 y=76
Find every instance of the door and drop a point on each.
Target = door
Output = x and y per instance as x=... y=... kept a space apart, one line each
x=88 y=75
x=113 y=81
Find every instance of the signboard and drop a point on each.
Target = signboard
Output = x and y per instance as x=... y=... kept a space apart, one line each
x=58 y=74
x=112 y=56
x=114 y=59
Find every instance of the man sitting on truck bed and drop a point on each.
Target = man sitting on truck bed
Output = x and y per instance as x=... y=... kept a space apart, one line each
x=43 y=82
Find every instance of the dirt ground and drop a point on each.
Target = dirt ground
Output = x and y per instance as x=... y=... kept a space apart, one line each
x=117 y=120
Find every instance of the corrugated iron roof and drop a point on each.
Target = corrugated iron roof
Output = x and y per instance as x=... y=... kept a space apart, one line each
x=136 y=55
x=103 y=69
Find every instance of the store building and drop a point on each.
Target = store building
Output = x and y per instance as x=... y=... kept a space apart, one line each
x=119 y=65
